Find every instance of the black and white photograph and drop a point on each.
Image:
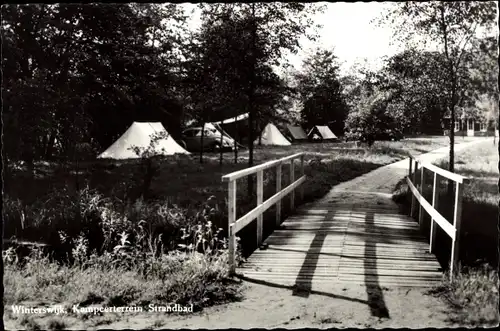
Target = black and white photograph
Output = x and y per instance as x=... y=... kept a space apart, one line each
x=290 y=165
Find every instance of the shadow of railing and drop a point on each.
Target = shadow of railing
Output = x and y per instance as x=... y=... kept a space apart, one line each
x=304 y=278
x=374 y=291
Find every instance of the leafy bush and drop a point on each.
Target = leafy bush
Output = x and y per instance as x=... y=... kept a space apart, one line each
x=148 y=158
x=371 y=120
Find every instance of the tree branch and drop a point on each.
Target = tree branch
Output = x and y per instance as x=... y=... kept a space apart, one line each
x=465 y=43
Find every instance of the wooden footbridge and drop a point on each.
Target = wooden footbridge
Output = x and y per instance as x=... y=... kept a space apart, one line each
x=353 y=236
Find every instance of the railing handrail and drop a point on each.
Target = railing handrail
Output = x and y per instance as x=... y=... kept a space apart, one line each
x=235 y=225
x=442 y=172
x=451 y=229
x=253 y=170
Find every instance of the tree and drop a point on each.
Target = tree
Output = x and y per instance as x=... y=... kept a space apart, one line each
x=320 y=91
x=416 y=79
x=268 y=29
x=71 y=70
x=371 y=119
x=217 y=76
x=452 y=25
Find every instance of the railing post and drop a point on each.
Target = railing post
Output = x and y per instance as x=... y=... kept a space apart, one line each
x=413 y=199
x=292 y=179
x=278 y=189
x=421 y=190
x=231 y=211
x=301 y=175
x=457 y=219
x=435 y=204
x=260 y=184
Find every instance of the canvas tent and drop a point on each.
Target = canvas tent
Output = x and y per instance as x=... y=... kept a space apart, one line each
x=272 y=136
x=139 y=134
x=296 y=132
x=320 y=132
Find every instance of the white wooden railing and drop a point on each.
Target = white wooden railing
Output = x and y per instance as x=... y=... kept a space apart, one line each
x=452 y=229
x=234 y=226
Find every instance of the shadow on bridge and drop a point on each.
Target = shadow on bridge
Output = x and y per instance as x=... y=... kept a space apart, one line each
x=303 y=283
x=375 y=293
x=358 y=237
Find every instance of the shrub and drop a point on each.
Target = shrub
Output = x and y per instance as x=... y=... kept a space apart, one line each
x=371 y=121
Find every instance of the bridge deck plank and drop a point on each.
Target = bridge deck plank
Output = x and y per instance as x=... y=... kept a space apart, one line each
x=331 y=244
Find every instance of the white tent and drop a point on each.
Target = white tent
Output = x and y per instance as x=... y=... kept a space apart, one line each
x=139 y=135
x=272 y=136
x=320 y=132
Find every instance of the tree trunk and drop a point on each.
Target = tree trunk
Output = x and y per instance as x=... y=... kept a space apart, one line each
x=260 y=136
x=201 y=141
x=453 y=101
x=50 y=145
x=220 y=148
x=235 y=143
x=251 y=92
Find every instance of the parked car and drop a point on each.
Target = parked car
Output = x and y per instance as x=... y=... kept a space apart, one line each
x=191 y=140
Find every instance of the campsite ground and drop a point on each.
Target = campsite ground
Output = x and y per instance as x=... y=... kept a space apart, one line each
x=181 y=180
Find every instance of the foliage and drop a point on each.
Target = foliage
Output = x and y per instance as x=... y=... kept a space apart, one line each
x=114 y=279
x=72 y=69
x=452 y=25
x=371 y=120
x=320 y=92
x=473 y=293
x=147 y=155
x=416 y=79
x=260 y=33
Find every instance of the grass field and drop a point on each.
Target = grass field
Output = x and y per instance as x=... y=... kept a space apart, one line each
x=474 y=291
x=109 y=247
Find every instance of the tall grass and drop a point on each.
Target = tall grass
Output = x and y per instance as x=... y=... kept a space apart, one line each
x=135 y=269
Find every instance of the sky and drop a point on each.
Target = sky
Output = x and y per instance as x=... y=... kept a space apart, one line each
x=347 y=30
